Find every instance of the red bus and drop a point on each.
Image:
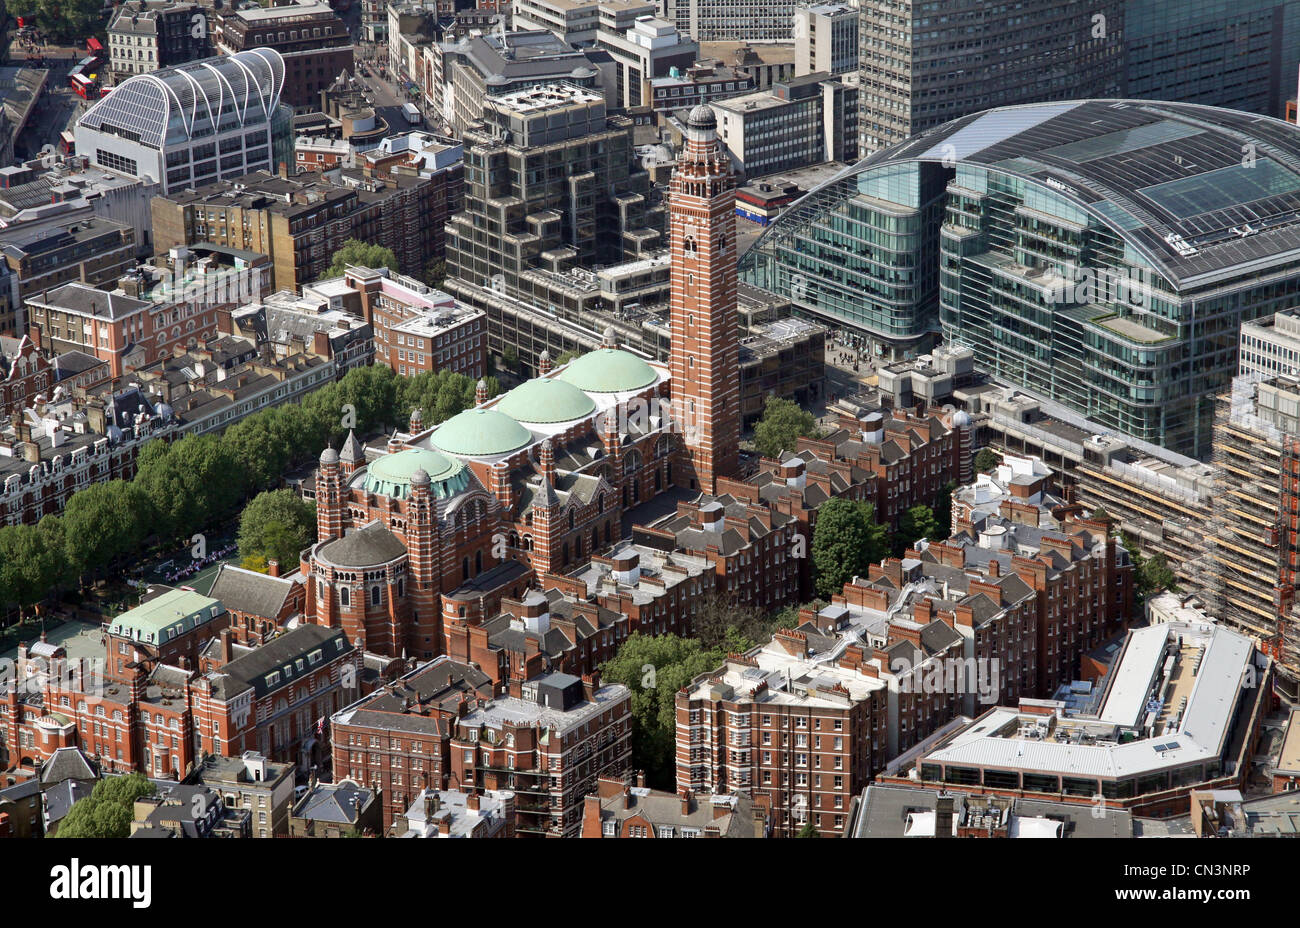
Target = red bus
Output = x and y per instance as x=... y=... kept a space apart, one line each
x=85 y=87
x=67 y=143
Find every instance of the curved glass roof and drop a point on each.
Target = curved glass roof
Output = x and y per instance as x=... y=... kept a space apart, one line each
x=480 y=432
x=1197 y=190
x=391 y=474
x=608 y=370
x=205 y=97
x=545 y=400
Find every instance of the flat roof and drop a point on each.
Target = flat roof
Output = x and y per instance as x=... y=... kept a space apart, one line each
x=1130 y=683
x=993 y=739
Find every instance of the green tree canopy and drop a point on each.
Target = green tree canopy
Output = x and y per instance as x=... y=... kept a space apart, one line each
x=781 y=426
x=986 y=459
x=435 y=273
x=358 y=253
x=846 y=541
x=105 y=521
x=916 y=523
x=722 y=622
x=809 y=831
x=108 y=810
x=1151 y=575
x=654 y=669
x=33 y=562
x=62 y=20
x=277 y=524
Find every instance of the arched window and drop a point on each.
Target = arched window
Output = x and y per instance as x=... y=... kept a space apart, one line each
x=345 y=596
x=464 y=567
x=375 y=595
x=478 y=562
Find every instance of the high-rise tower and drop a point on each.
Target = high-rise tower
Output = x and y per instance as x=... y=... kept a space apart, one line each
x=705 y=351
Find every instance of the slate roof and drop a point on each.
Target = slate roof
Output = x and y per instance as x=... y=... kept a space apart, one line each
x=68 y=764
x=278 y=654
x=368 y=546
x=250 y=592
x=338 y=803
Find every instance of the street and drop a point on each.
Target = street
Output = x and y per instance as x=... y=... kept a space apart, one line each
x=58 y=105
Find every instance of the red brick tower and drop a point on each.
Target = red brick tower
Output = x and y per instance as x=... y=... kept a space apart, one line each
x=705 y=350
x=422 y=545
x=329 y=496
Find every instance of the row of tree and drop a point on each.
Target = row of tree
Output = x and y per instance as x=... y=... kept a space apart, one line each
x=62 y=20
x=181 y=487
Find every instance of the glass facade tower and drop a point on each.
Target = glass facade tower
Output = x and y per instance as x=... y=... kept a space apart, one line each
x=1102 y=254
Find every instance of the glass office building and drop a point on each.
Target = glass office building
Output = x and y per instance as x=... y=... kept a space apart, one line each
x=1099 y=253
x=925 y=62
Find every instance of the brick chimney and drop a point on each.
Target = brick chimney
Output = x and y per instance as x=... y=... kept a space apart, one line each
x=995 y=569
x=227 y=647
x=273 y=567
x=472 y=802
x=686 y=801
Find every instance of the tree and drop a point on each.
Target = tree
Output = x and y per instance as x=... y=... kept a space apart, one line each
x=108 y=810
x=986 y=459
x=1151 y=575
x=361 y=254
x=654 y=669
x=809 y=831
x=943 y=512
x=62 y=19
x=721 y=622
x=846 y=541
x=277 y=524
x=102 y=522
x=916 y=523
x=565 y=358
x=435 y=273
x=33 y=563
x=781 y=426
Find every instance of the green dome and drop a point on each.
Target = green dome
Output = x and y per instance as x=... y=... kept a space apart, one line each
x=478 y=432
x=391 y=474
x=608 y=370
x=544 y=400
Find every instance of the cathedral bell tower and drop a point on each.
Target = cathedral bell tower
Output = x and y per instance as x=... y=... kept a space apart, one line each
x=705 y=345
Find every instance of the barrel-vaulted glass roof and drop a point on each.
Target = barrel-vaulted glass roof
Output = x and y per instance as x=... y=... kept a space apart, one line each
x=200 y=98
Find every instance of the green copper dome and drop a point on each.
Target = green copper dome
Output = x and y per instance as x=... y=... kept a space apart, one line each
x=479 y=432
x=391 y=474
x=608 y=370
x=544 y=400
